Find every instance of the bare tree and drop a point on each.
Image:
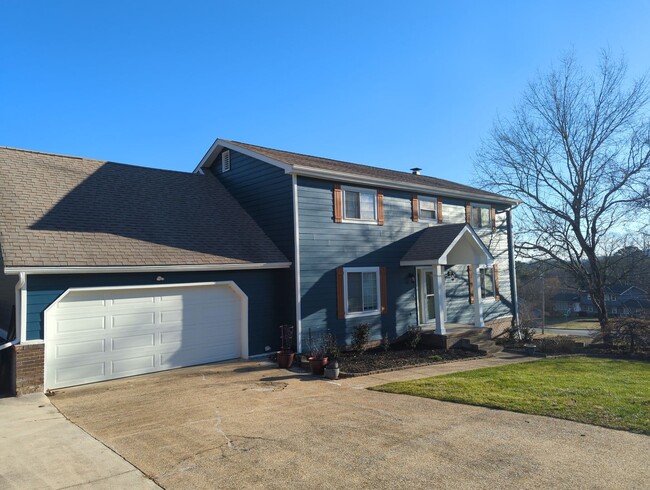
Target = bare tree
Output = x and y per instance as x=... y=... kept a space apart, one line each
x=577 y=154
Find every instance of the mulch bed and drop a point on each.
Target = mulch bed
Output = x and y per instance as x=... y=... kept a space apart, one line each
x=380 y=360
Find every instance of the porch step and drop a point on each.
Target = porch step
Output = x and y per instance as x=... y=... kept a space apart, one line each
x=487 y=346
x=463 y=337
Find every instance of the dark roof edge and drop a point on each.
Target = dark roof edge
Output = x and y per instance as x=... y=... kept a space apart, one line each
x=219 y=144
x=144 y=268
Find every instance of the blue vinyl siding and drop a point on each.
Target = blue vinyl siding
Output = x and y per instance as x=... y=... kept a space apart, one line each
x=261 y=287
x=326 y=245
x=265 y=192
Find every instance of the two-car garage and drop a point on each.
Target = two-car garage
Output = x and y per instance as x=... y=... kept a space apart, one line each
x=96 y=334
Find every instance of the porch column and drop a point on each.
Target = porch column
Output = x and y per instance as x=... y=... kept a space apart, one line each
x=439 y=298
x=478 y=301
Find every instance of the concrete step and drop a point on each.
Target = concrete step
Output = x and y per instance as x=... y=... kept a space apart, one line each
x=482 y=345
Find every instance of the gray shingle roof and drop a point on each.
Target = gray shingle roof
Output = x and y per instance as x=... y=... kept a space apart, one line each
x=291 y=158
x=60 y=211
x=433 y=242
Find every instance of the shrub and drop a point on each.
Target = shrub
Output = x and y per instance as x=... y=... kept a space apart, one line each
x=630 y=333
x=556 y=345
x=360 y=337
x=523 y=334
x=414 y=336
x=286 y=337
x=331 y=346
x=315 y=346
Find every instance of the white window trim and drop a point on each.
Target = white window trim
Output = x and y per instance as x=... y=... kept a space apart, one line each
x=434 y=200
x=345 y=219
x=489 y=299
x=483 y=206
x=357 y=314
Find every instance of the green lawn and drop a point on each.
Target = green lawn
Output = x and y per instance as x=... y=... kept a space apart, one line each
x=606 y=392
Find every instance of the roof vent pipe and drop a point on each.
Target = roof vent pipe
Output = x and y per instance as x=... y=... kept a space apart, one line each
x=415 y=170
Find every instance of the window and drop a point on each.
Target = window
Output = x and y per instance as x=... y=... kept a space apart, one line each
x=225 y=161
x=614 y=309
x=359 y=204
x=481 y=216
x=361 y=286
x=487 y=283
x=428 y=208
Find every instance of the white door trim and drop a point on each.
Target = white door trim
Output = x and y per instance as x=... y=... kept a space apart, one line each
x=243 y=327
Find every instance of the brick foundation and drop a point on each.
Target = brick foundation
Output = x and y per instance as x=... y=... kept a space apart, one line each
x=29 y=368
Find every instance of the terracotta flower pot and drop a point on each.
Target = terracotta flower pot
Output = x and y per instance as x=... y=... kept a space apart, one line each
x=317 y=365
x=285 y=359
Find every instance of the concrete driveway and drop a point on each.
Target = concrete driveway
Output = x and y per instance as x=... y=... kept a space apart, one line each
x=250 y=425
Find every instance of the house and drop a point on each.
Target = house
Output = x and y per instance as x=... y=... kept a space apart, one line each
x=620 y=300
x=115 y=270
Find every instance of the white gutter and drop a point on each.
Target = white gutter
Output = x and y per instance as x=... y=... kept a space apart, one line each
x=145 y=268
x=296 y=261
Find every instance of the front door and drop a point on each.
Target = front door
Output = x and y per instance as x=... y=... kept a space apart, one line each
x=426 y=303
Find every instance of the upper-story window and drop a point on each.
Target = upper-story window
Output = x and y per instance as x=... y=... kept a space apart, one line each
x=481 y=215
x=428 y=208
x=359 y=204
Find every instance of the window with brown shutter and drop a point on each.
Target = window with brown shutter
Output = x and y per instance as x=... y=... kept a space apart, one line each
x=415 y=207
x=468 y=212
x=383 y=292
x=380 y=207
x=439 y=210
x=340 y=291
x=470 y=282
x=338 y=203
x=493 y=215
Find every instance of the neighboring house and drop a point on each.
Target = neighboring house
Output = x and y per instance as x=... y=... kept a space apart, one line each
x=120 y=270
x=620 y=300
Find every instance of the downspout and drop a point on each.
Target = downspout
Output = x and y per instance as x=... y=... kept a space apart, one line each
x=21 y=317
x=512 y=267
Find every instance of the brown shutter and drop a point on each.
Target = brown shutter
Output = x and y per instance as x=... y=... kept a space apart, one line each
x=493 y=215
x=439 y=210
x=380 y=207
x=468 y=212
x=384 y=291
x=340 y=301
x=497 y=297
x=338 y=203
x=470 y=281
x=415 y=207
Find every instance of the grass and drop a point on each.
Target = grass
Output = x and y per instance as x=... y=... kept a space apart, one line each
x=606 y=392
x=572 y=324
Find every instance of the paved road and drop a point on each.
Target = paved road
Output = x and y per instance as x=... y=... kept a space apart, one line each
x=563 y=331
x=251 y=425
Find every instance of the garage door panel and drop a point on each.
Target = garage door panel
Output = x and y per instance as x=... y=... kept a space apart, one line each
x=76 y=349
x=133 y=365
x=135 y=319
x=80 y=325
x=128 y=342
x=102 y=334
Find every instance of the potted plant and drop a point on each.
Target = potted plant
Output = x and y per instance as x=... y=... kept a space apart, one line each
x=286 y=353
x=332 y=351
x=317 y=358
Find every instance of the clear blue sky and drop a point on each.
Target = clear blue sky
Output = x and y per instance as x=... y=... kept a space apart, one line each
x=395 y=84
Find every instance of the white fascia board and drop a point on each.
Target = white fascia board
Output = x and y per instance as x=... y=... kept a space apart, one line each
x=421 y=262
x=219 y=144
x=146 y=268
x=373 y=181
x=468 y=229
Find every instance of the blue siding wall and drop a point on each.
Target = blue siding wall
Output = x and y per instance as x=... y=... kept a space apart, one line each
x=265 y=192
x=261 y=287
x=325 y=245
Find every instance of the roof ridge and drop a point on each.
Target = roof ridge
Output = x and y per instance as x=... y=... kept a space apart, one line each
x=45 y=153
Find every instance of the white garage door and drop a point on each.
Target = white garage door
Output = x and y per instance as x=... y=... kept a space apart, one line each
x=104 y=334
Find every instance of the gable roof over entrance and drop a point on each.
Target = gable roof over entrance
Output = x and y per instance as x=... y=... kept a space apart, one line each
x=75 y=213
x=448 y=244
